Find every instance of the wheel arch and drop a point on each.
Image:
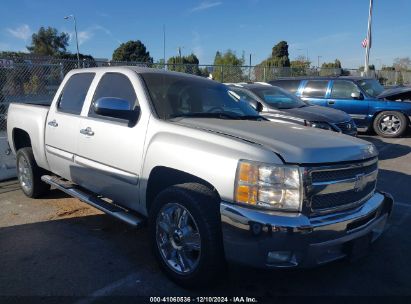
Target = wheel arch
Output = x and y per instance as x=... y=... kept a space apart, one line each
x=21 y=139
x=162 y=177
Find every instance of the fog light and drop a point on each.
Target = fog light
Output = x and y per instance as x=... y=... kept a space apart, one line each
x=274 y=257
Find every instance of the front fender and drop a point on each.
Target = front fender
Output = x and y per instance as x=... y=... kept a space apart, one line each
x=211 y=157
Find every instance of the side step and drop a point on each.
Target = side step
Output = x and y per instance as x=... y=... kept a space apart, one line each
x=90 y=198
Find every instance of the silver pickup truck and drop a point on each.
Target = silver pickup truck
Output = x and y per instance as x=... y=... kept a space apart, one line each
x=214 y=180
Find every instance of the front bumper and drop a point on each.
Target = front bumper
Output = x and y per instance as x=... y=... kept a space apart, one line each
x=257 y=237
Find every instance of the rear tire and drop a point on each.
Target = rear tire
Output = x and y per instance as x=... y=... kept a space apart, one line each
x=185 y=231
x=390 y=124
x=29 y=174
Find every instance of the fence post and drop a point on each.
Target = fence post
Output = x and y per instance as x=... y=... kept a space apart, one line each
x=61 y=71
x=265 y=74
x=222 y=73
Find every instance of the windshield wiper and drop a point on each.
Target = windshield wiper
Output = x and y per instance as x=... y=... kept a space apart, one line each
x=252 y=117
x=219 y=115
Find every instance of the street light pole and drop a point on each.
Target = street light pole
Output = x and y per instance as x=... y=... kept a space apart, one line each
x=75 y=31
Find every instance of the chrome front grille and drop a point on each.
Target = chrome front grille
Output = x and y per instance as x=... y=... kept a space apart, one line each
x=333 y=188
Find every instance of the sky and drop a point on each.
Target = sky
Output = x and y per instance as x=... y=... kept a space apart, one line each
x=327 y=28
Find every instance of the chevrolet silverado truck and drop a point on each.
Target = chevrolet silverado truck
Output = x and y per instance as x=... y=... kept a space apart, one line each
x=215 y=181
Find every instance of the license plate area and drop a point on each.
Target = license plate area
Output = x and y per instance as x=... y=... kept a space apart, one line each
x=358 y=248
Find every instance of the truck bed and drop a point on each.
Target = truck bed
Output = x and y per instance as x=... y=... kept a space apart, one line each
x=31 y=119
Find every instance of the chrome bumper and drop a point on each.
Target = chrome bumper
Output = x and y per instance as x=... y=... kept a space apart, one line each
x=267 y=239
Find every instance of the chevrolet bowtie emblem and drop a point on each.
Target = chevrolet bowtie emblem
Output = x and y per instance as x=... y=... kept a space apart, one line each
x=360 y=182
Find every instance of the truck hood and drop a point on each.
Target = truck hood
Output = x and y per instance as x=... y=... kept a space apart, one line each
x=401 y=93
x=313 y=113
x=294 y=144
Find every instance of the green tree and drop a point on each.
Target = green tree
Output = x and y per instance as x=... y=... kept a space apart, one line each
x=228 y=67
x=299 y=66
x=132 y=51
x=280 y=50
x=48 y=42
x=276 y=65
x=186 y=64
x=332 y=68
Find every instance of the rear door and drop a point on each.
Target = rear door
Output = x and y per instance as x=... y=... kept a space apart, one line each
x=340 y=98
x=314 y=91
x=111 y=153
x=63 y=121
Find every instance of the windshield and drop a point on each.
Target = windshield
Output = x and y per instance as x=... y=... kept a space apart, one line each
x=371 y=86
x=278 y=98
x=176 y=95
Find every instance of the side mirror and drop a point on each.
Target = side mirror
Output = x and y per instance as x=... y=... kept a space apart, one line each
x=116 y=108
x=258 y=106
x=357 y=95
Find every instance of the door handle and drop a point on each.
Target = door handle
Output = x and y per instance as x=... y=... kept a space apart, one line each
x=331 y=102
x=53 y=123
x=87 y=131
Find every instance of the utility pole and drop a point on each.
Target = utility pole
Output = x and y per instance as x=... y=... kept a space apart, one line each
x=75 y=31
x=368 y=46
x=249 y=70
x=318 y=61
x=164 y=45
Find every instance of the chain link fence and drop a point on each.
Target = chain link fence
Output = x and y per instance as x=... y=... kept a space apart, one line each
x=35 y=80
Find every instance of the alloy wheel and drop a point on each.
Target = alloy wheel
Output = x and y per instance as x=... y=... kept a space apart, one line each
x=389 y=124
x=24 y=175
x=178 y=238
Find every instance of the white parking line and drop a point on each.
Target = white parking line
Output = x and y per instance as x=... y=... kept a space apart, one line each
x=405 y=205
x=108 y=290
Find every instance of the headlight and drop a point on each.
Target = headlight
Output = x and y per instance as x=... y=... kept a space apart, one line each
x=270 y=186
x=318 y=124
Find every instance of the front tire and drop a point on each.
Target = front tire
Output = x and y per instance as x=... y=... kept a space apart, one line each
x=390 y=124
x=185 y=231
x=29 y=174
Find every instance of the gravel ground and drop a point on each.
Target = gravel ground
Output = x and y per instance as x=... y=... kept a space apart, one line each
x=59 y=246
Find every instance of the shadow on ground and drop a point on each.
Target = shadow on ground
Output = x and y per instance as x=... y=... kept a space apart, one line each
x=395 y=150
x=98 y=255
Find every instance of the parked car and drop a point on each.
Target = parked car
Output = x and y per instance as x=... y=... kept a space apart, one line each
x=280 y=105
x=387 y=112
x=212 y=178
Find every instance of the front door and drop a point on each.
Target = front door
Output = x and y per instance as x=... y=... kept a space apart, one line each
x=110 y=150
x=63 y=122
x=340 y=98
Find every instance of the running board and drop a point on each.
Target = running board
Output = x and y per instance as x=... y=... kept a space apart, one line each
x=90 y=198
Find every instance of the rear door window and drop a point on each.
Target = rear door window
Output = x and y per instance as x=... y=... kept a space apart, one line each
x=74 y=93
x=315 y=89
x=289 y=85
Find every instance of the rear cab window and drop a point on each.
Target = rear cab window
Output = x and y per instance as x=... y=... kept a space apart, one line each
x=315 y=89
x=74 y=93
